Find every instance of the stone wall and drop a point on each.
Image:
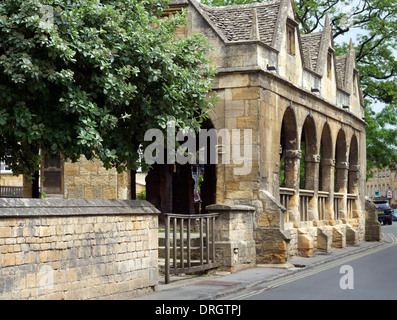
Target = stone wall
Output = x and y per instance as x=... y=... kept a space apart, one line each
x=7 y=179
x=77 y=249
x=88 y=179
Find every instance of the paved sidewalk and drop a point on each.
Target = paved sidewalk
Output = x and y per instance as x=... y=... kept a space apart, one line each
x=218 y=284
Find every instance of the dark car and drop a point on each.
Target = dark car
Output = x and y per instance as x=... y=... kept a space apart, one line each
x=384 y=211
x=394 y=213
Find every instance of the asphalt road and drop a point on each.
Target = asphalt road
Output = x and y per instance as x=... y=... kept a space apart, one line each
x=370 y=275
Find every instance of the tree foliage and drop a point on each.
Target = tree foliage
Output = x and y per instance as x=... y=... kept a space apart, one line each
x=90 y=77
x=375 y=24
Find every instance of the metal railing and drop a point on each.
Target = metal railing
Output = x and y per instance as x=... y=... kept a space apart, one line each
x=10 y=192
x=206 y=259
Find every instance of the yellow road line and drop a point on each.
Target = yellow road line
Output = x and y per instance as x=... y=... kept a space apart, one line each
x=320 y=269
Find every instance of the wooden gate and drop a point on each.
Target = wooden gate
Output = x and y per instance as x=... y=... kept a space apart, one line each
x=206 y=247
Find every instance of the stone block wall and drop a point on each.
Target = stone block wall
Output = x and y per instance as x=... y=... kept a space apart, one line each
x=7 y=179
x=88 y=179
x=77 y=249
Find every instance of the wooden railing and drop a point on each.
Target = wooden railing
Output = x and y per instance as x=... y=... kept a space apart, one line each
x=207 y=247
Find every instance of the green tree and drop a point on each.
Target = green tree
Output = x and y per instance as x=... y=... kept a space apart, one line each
x=90 y=77
x=375 y=46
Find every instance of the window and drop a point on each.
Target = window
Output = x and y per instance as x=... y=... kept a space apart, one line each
x=4 y=167
x=387 y=173
x=354 y=84
x=329 y=65
x=290 y=39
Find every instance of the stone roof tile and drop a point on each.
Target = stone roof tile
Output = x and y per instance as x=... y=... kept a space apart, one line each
x=311 y=47
x=235 y=22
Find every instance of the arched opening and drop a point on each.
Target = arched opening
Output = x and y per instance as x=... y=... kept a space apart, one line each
x=289 y=165
x=353 y=179
x=308 y=146
x=341 y=175
x=353 y=166
x=326 y=159
x=288 y=144
x=185 y=188
x=341 y=162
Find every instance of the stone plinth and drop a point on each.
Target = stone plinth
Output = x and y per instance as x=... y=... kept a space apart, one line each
x=235 y=245
x=372 y=226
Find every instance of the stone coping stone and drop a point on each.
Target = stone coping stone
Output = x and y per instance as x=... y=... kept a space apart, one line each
x=229 y=207
x=11 y=207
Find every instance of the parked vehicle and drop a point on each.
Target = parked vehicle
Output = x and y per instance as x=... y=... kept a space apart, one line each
x=384 y=211
x=394 y=214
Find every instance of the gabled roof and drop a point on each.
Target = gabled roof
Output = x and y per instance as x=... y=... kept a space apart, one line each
x=264 y=22
x=340 y=70
x=235 y=22
x=311 y=48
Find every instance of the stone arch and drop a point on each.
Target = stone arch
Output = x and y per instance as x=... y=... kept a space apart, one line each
x=310 y=157
x=327 y=161
x=289 y=150
x=353 y=179
x=173 y=187
x=341 y=163
x=353 y=166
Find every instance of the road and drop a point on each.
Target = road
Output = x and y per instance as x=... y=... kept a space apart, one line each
x=370 y=275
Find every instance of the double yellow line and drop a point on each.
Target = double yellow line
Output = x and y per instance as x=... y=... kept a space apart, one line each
x=304 y=274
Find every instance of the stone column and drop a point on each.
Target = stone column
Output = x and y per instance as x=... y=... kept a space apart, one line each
x=234 y=235
x=311 y=183
x=327 y=182
x=373 y=230
x=353 y=186
x=292 y=165
x=342 y=173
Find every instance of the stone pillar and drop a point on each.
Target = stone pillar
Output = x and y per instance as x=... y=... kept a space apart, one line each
x=372 y=226
x=27 y=188
x=234 y=236
x=312 y=171
x=353 y=186
x=342 y=173
x=327 y=182
x=272 y=241
x=311 y=183
x=292 y=165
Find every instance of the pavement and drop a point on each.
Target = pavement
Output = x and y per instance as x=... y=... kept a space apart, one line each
x=219 y=284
